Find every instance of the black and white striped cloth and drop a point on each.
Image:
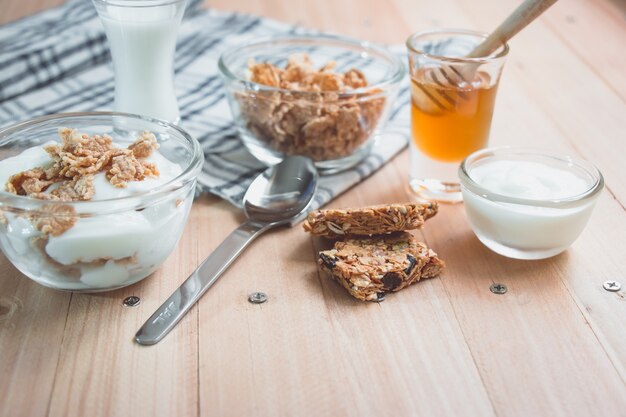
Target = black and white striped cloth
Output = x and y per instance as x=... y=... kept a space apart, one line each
x=58 y=61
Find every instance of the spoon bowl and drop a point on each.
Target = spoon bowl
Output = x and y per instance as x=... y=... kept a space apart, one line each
x=281 y=192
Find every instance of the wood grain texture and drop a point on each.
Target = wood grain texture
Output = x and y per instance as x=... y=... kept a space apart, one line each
x=553 y=345
x=32 y=324
x=583 y=25
x=16 y=9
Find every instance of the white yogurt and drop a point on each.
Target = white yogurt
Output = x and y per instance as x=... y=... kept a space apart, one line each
x=535 y=228
x=103 y=250
x=529 y=180
x=142 y=41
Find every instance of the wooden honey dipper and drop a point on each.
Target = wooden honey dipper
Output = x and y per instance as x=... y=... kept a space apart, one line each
x=449 y=76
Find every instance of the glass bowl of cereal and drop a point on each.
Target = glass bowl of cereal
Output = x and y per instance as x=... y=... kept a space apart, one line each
x=321 y=96
x=94 y=201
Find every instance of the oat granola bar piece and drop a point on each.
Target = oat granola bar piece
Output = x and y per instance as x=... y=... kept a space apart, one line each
x=366 y=221
x=371 y=267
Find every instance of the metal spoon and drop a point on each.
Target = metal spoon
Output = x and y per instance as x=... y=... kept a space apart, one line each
x=277 y=197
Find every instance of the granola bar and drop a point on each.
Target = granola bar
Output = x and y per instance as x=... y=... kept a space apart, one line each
x=312 y=115
x=371 y=267
x=367 y=221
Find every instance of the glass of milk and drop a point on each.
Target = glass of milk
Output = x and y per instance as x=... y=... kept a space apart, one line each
x=527 y=204
x=142 y=38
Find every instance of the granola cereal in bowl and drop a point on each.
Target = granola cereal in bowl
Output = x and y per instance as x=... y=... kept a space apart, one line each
x=94 y=201
x=325 y=97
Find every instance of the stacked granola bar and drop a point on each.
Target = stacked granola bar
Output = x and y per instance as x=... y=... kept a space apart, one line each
x=376 y=255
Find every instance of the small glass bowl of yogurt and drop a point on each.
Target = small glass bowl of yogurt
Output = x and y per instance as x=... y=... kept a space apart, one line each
x=118 y=236
x=527 y=204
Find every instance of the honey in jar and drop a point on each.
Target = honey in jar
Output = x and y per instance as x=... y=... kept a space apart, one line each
x=450 y=118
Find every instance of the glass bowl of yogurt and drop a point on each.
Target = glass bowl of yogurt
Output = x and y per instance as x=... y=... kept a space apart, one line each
x=527 y=204
x=94 y=201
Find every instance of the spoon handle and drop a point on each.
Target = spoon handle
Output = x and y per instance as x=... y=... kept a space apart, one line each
x=180 y=302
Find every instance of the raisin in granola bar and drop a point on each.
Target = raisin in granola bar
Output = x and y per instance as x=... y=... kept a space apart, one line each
x=370 y=267
x=368 y=221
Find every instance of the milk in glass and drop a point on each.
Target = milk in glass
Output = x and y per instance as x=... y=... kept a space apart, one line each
x=142 y=38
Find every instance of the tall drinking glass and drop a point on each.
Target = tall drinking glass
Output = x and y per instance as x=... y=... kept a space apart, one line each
x=142 y=37
x=452 y=102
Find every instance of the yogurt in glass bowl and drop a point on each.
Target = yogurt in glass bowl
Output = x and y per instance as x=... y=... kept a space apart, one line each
x=527 y=204
x=119 y=223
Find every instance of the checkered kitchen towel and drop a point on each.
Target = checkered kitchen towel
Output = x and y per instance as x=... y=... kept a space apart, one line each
x=58 y=61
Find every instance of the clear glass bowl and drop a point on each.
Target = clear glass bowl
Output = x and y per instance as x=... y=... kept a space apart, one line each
x=114 y=242
x=336 y=130
x=529 y=228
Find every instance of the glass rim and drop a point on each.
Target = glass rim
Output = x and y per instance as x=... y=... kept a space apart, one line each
x=567 y=202
x=452 y=31
x=397 y=72
x=12 y=202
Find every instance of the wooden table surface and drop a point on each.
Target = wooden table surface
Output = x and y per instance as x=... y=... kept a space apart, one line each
x=553 y=345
